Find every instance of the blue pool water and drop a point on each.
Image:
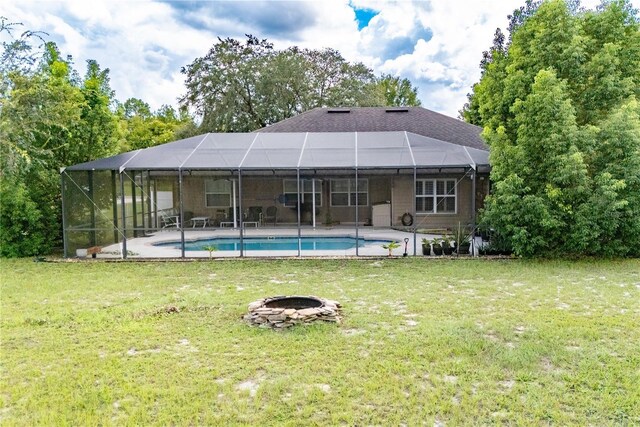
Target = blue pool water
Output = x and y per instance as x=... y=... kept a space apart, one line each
x=276 y=243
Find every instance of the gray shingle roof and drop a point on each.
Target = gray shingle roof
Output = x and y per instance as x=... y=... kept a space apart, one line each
x=416 y=120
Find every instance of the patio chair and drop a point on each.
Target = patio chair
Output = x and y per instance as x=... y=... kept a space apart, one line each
x=254 y=214
x=271 y=214
x=167 y=220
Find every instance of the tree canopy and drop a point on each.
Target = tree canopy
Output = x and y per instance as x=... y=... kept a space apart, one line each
x=243 y=86
x=397 y=92
x=558 y=103
x=52 y=117
x=142 y=128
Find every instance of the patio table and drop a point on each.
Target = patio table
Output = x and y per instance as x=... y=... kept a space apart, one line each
x=197 y=219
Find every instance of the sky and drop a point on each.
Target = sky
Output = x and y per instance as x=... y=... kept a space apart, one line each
x=436 y=44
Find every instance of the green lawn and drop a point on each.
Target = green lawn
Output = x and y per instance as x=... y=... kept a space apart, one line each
x=444 y=342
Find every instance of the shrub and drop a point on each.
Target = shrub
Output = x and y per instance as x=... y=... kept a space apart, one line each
x=22 y=226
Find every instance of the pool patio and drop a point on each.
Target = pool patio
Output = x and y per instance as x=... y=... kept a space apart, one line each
x=147 y=247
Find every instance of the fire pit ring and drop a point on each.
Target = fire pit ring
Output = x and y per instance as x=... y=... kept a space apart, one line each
x=285 y=311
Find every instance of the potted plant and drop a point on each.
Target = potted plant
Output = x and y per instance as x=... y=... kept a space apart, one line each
x=437 y=246
x=463 y=247
x=328 y=221
x=426 y=247
x=463 y=244
x=484 y=249
x=447 y=249
x=391 y=246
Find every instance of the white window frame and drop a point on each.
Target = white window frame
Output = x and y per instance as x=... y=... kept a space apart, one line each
x=206 y=193
x=352 y=189
x=304 y=194
x=435 y=195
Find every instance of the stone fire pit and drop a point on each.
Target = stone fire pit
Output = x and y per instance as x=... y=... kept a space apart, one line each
x=284 y=311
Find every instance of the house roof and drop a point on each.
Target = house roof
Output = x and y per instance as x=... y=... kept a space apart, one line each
x=296 y=150
x=416 y=120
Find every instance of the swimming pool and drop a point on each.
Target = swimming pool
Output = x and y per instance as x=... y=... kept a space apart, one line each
x=276 y=243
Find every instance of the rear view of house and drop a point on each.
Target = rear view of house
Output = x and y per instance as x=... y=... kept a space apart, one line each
x=365 y=173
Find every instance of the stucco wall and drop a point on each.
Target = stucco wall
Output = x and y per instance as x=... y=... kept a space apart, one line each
x=402 y=202
x=264 y=192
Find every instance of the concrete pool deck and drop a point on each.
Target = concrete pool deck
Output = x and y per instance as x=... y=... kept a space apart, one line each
x=145 y=247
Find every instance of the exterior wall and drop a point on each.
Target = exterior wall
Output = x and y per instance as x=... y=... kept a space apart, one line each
x=193 y=197
x=256 y=192
x=401 y=198
x=379 y=191
x=402 y=201
x=263 y=192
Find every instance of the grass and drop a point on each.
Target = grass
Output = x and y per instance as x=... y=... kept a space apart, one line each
x=421 y=342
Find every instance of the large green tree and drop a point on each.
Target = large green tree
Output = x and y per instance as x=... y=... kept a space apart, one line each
x=557 y=101
x=242 y=86
x=50 y=117
x=39 y=112
x=142 y=128
x=97 y=133
x=397 y=92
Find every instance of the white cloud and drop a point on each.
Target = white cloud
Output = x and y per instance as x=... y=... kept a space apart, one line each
x=437 y=44
x=73 y=40
x=141 y=42
x=444 y=67
x=336 y=28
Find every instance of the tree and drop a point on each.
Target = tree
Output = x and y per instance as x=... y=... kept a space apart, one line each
x=521 y=14
x=334 y=82
x=97 y=133
x=39 y=114
x=18 y=54
x=40 y=111
x=558 y=105
x=134 y=107
x=610 y=221
x=50 y=117
x=545 y=177
x=22 y=230
x=397 y=92
x=222 y=85
x=239 y=87
x=143 y=128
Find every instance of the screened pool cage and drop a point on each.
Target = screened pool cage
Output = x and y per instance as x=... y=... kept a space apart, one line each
x=243 y=194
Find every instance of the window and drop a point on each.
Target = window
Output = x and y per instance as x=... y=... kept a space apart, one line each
x=217 y=193
x=436 y=195
x=343 y=192
x=306 y=189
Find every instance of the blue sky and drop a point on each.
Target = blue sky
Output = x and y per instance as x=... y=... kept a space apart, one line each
x=437 y=44
x=363 y=16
